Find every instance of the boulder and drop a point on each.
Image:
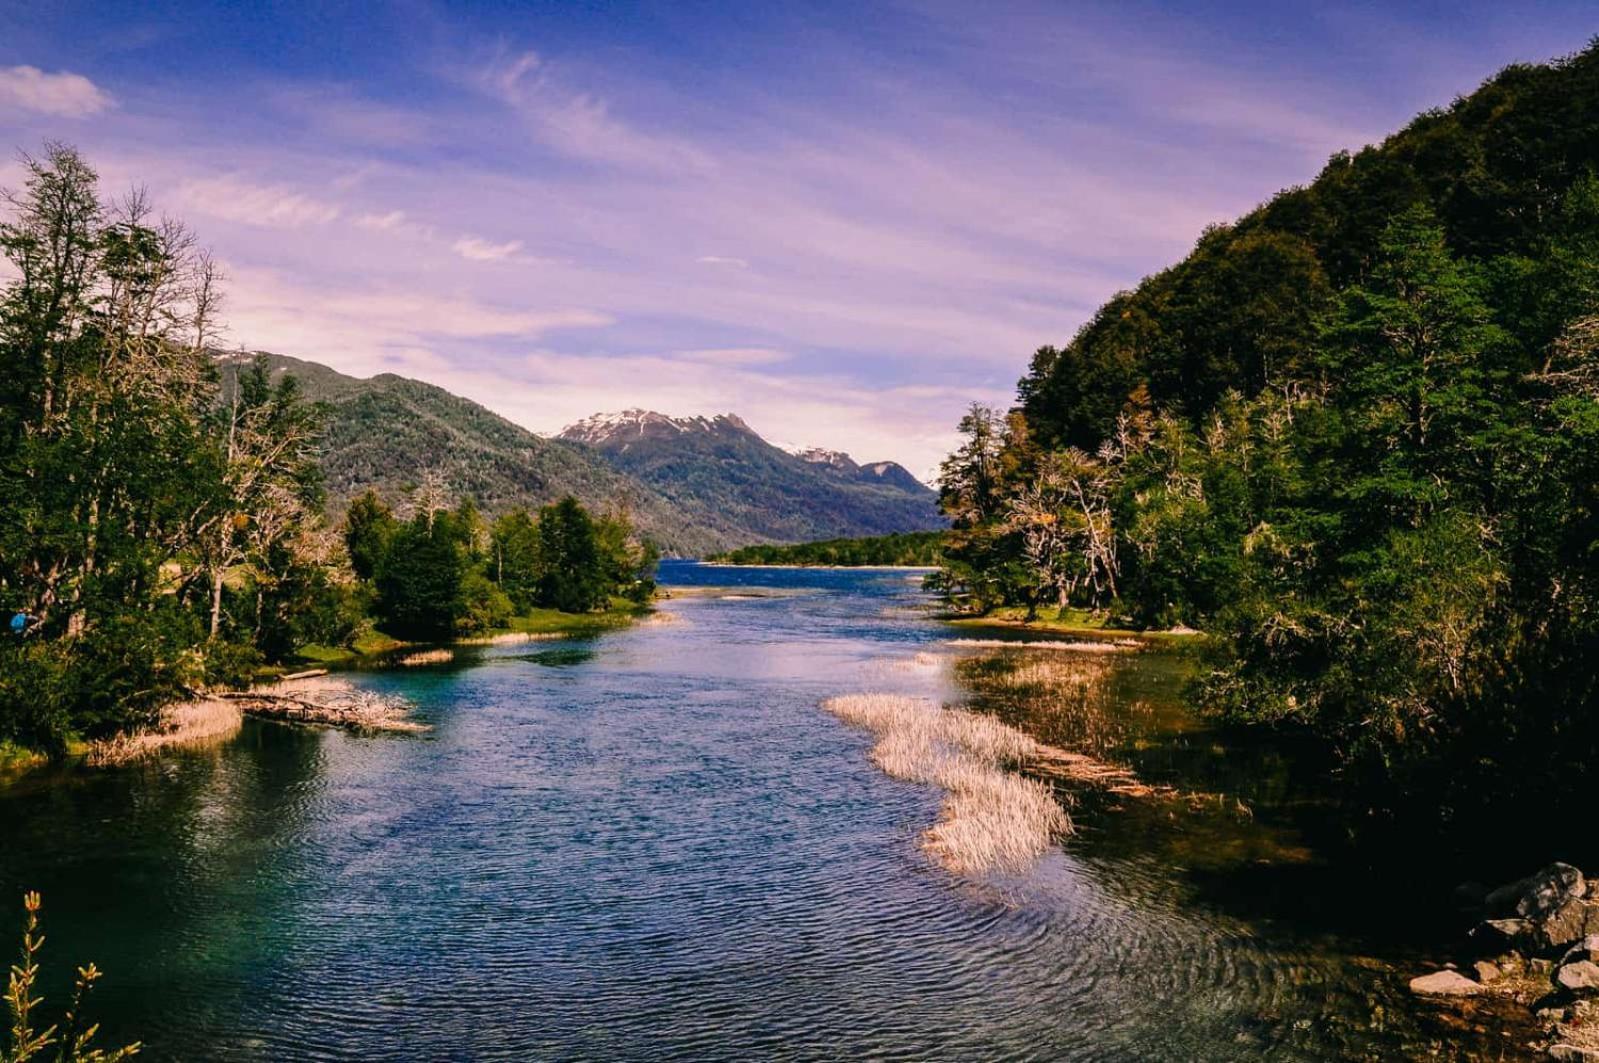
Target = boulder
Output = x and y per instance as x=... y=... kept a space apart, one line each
x=1499 y=934
x=1581 y=977
x=1537 y=894
x=1487 y=971
x=1563 y=926
x=1586 y=949
x=1444 y=984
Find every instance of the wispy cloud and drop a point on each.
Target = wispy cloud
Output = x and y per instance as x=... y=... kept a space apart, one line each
x=61 y=95
x=845 y=251
x=380 y=223
x=236 y=199
x=477 y=249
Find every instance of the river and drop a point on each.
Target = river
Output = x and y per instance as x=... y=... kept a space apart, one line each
x=656 y=845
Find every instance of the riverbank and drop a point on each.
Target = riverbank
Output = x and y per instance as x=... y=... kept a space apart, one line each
x=215 y=715
x=1077 y=622
x=374 y=645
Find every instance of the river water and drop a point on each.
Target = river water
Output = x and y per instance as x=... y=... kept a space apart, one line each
x=656 y=845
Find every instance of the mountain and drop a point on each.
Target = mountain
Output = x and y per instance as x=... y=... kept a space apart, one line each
x=878 y=472
x=386 y=432
x=721 y=465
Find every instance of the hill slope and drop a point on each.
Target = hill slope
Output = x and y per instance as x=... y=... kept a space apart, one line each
x=387 y=431
x=720 y=465
x=1241 y=311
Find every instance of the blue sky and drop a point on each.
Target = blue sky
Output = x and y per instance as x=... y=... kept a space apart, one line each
x=842 y=221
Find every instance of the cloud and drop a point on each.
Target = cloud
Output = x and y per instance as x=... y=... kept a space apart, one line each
x=381 y=222
x=580 y=123
x=480 y=250
x=235 y=199
x=735 y=356
x=723 y=260
x=62 y=95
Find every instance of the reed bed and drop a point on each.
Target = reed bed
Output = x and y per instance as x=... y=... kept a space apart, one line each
x=425 y=657
x=510 y=638
x=992 y=818
x=188 y=723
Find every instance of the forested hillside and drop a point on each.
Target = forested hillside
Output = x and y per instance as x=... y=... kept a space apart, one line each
x=387 y=432
x=1353 y=436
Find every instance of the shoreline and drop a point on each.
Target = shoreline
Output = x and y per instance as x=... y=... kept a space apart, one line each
x=846 y=568
x=211 y=716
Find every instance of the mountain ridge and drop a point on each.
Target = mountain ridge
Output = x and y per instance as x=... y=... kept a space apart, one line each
x=387 y=431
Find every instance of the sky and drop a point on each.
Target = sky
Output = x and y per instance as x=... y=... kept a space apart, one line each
x=844 y=222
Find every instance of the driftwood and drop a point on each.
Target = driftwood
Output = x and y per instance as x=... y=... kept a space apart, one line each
x=331 y=704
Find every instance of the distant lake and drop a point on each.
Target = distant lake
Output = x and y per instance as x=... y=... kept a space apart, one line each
x=656 y=845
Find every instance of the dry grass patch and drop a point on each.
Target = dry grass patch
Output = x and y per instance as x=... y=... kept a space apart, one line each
x=511 y=638
x=188 y=723
x=425 y=657
x=992 y=818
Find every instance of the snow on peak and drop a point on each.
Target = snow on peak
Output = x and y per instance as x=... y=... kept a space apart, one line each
x=636 y=424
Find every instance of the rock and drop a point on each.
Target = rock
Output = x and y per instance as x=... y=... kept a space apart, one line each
x=1586 y=949
x=1573 y=1054
x=1504 y=935
x=1487 y=971
x=1580 y=977
x=1537 y=894
x=1444 y=984
x=1563 y=926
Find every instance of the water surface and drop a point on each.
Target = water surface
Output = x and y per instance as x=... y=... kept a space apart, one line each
x=655 y=845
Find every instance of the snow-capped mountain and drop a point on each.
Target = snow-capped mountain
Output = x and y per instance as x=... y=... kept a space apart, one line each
x=721 y=464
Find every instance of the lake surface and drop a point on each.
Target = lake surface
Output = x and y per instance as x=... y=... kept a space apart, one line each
x=656 y=845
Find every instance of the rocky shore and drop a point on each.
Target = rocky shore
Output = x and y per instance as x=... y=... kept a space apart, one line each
x=1536 y=941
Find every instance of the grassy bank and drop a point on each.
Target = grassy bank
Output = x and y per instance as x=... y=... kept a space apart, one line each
x=547 y=622
x=1079 y=622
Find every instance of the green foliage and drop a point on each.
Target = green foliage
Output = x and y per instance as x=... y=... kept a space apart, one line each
x=419 y=581
x=907 y=548
x=443 y=574
x=572 y=577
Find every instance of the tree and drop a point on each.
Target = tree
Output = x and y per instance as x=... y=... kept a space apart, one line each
x=369 y=529
x=270 y=476
x=419 y=582
x=514 y=558
x=572 y=577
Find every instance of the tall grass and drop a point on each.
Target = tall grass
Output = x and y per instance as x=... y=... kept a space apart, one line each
x=187 y=723
x=992 y=818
